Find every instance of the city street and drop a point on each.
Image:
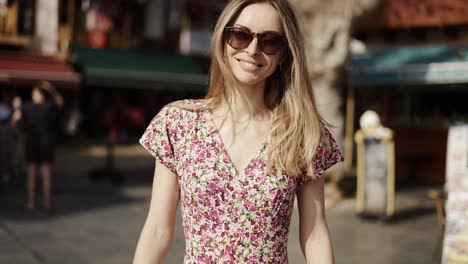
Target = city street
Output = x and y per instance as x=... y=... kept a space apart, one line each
x=100 y=222
x=387 y=79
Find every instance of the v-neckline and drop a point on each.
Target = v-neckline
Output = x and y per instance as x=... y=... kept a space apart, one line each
x=253 y=156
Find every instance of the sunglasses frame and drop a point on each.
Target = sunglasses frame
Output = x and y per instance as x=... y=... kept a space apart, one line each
x=228 y=30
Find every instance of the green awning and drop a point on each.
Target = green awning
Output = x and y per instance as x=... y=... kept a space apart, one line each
x=410 y=65
x=128 y=68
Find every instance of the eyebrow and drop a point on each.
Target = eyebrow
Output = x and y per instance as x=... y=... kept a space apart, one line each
x=263 y=32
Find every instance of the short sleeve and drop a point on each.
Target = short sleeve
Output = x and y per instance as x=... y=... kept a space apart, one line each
x=157 y=139
x=326 y=155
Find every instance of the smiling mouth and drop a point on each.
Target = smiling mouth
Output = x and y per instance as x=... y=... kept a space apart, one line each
x=249 y=65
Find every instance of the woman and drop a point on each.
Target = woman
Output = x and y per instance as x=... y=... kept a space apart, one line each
x=38 y=122
x=237 y=159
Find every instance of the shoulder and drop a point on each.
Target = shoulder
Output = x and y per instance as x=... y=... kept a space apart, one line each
x=47 y=106
x=186 y=106
x=187 y=103
x=328 y=147
x=182 y=111
x=27 y=107
x=326 y=136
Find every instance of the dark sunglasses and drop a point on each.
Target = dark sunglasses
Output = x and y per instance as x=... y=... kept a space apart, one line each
x=269 y=42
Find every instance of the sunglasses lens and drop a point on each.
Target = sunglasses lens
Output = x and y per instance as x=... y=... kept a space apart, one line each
x=239 y=38
x=272 y=43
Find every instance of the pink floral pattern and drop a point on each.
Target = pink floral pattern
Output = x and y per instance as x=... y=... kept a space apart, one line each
x=228 y=216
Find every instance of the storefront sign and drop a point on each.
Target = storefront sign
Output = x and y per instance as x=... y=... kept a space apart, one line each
x=455 y=249
x=375 y=171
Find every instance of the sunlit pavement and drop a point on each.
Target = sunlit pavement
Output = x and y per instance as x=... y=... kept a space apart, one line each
x=100 y=222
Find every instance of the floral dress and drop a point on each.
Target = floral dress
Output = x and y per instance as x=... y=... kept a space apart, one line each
x=229 y=216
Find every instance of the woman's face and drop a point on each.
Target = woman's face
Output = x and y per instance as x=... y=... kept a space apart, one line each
x=37 y=96
x=250 y=65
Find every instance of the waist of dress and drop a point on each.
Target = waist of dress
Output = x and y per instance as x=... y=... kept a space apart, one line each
x=206 y=250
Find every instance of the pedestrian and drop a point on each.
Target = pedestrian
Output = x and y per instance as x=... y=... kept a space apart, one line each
x=237 y=159
x=6 y=138
x=18 y=159
x=38 y=122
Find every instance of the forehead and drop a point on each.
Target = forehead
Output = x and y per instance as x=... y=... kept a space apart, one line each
x=260 y=17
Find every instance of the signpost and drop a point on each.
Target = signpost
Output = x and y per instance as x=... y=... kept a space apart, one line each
x=375 y=170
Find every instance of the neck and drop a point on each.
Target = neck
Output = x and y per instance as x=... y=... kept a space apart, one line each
x=249 y=102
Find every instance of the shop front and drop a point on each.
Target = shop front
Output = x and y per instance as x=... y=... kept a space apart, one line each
x=123 y=89
x=418 y=92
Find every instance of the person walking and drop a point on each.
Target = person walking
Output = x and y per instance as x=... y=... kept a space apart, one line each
x=38 y=122
x=237 y=159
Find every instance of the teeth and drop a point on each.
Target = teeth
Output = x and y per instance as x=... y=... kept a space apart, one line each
x=249 y=65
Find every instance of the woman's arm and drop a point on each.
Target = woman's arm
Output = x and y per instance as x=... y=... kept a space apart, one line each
x=158 y=231
x=17 y=112
x=314 y=238
x=58 y=99
x=56 y=96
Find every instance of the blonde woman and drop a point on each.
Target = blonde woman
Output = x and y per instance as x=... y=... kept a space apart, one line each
x=237 y=159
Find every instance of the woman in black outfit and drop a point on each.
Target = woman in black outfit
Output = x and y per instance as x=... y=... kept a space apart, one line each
x=38 y=122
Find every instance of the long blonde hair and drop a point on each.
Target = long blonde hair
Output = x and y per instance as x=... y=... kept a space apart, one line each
x=295 y=132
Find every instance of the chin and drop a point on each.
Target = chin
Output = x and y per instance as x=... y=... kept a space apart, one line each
x=248 y=80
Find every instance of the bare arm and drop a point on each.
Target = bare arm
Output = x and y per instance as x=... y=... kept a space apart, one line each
x=56 y=96
x=17 y=114
x=314 y=237
x=58 y=99
x=158 y=231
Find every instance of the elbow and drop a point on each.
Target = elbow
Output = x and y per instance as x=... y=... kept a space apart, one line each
x=163 y=238
x=313 y=235
x=161 y=241
x=153 y=246
x=317 y=246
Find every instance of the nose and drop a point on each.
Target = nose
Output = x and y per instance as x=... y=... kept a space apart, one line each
x=253 y=48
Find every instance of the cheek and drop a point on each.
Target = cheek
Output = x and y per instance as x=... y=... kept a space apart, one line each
x=229 y=62
x=228 y=58
x=274 y=63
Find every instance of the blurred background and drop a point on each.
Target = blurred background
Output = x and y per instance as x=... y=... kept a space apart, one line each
x=117 y=62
